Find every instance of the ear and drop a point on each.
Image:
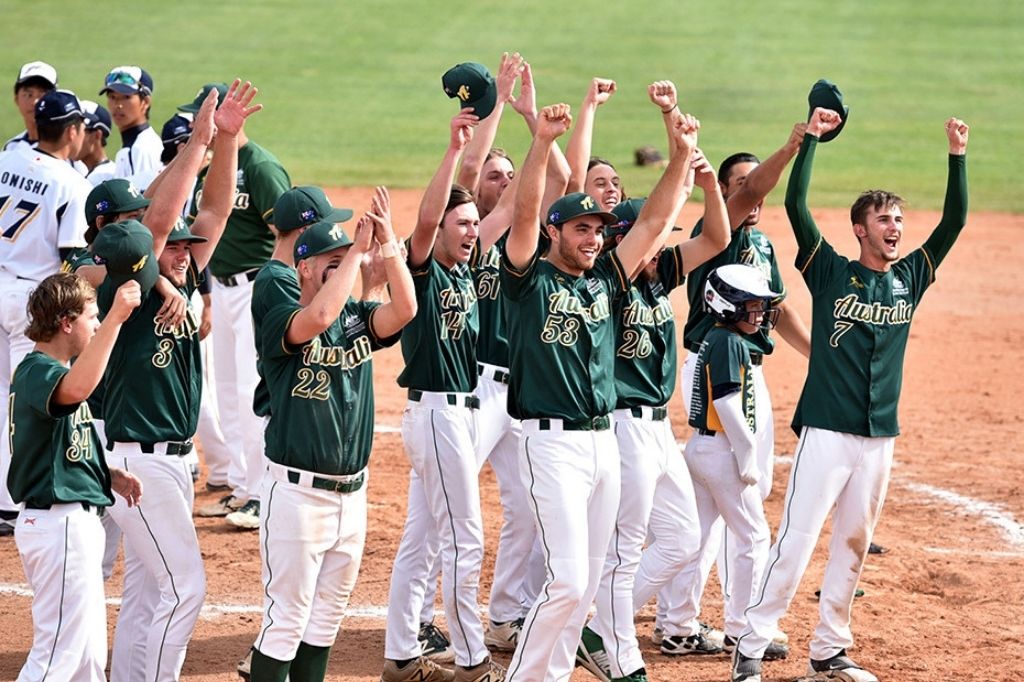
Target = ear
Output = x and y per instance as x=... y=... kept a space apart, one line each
x=618 y=239
x=551 y=231
x=859 y=230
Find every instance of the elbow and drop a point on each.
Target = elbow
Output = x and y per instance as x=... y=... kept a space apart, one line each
x=406 y=311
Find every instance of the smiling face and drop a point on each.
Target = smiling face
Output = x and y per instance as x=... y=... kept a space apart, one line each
x=174 y=262
x=737 y=176
x=576 y=244
x=495 y=176
x=457 y=236
x=879 y=235
x=603 y=184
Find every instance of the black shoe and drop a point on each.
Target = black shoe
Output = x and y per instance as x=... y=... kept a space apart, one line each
x=839 y=667
x=677 y=645
x=745 y=669
x=434 y=645
x=776 y=651
x=877 y=549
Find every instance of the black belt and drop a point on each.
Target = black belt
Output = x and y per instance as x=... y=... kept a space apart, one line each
x=470 y=401
x=497 y=374
x=232 y=280
x=658 y=414
x=330 y=484
x=174 y=448
x=602 y=423
x=706 y=432
x=91 y=508
x=756 y=358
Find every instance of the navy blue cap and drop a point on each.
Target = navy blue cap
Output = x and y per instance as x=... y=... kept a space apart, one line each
x=96 y=117
x=177 y=129
x=128 y=80
x=58 y=106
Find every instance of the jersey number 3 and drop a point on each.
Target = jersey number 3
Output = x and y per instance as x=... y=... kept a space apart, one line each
x=24 y=212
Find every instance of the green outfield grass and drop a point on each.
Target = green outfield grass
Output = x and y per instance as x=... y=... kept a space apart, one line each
x=353 y=97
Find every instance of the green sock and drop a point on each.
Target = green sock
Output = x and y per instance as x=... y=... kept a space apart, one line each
x=267 y=669
x=310 y=664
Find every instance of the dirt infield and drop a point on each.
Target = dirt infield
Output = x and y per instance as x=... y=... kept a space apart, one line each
x=946 y=603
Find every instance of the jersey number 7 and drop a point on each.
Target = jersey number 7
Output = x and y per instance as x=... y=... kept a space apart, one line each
x=24 y=213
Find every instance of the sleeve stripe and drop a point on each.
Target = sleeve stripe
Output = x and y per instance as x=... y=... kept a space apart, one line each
x=620 y=271
x=814 y=252
x=931 y=265
x=284 y=337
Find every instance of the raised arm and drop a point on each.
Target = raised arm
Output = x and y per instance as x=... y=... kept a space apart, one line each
x=714 y=237
x=552 y=123
x=175 y=182
x=328 y=303
x=219 y=188
x=483 y=138
x=660 y=210
x=663 y=95
x=435 y=198
x=804 y=227
x=390 y=317
x=578 y=150
x=763 y=178
x=954 y=209
x=557 y=172
x=86 y=372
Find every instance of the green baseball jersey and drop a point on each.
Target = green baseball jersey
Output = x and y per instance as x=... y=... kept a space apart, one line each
x=861 y=318
x=723 y=366
x=275 y=283
x=645 y=336
x=748 y=246
x=154 y=377
x=439 y=345
x=561 y=338
x=492 y=342
x=321 y=393
x=75 y=260
x=247 y=241
x=56 y=455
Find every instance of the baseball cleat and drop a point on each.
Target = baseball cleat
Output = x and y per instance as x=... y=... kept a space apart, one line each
x=698 y=644
x=590 y=654
x=246 y=517
x=774 y=652
x=418 y=670
x=657 y=636
x=877 y=549
x=434 y=645
x=217 y=487
x=503 y=636
x=635 y=676
x=839 y=667
x=245 y=666
x=712 y=634
x=222 y=507
x=7 y=525
x=488 y=671
x=745 y=669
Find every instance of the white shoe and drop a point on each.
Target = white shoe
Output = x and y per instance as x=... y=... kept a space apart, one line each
x=503 y=636
x=222 y=507
x=839 y=667
x=246 y=517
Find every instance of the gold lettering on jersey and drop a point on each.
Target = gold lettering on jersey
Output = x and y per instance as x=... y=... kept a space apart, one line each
x=749 y=405
x=454 y=305
x=81 y=443
x=639 y=313
x=564 y=302
x=241 y=201
x=849 y=308
x=188 y=327
x=337 y=356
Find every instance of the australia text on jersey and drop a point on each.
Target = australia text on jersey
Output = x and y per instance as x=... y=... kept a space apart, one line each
x=314 y=353
x=638 y=313
x=849 y=308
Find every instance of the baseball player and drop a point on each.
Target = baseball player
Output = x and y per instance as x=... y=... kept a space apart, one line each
x=439 y=432
x=846 y=415
x=58 y=472
x=745 y=182
x=247 y=244
x=93 y=152
x=42 y=217
x=129 y=91
x=152 y=436
x=656 y=489
x=561 y=351
x=35 y=79
x=317 y=361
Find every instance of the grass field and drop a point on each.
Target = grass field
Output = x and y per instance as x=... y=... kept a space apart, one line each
x=352 y=89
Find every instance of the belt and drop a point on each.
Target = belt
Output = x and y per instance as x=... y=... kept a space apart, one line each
x=172 y=448
x=706 y=432
x=602 y=423
x=499 y=375
x=453 y=399
x=90 y=508
x=756 y=358
x=333 y=485
x=657 y=414
x=238 y=278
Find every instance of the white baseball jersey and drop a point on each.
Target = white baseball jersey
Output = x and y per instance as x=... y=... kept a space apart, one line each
x=140 y=152
x=42 y=210
x=106 y=170
x=18 y=141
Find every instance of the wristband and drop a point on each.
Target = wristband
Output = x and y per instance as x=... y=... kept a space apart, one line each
x=670 y=109
x=389 y=249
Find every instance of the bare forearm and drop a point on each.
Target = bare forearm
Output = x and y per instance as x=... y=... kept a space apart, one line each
x=87 y=370
x=431 y=210
x=577 y=152
x=791 y=327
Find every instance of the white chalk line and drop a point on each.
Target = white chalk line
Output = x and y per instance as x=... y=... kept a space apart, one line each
x=974 y=553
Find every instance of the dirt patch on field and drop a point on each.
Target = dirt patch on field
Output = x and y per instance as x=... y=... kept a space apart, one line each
x=946 y=603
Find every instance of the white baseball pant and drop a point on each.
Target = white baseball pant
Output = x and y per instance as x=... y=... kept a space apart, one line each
x=656 y=492
x=216 y=453
x=831 y=470
x=572 y=480
x=61 y=549
x=14 y=346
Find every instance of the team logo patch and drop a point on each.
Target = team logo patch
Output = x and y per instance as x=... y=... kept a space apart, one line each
x=463 y=93
x=303 y=249
x=336 y=232
x=554 y=216
x=855 y=281
x=899 y=288
x=587 y=203
x=308 y=215
x=141 y=263
x=102 y=206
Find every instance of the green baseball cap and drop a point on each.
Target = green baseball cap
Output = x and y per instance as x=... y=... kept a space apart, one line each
x=626 y=213
x=126 y=249
x=827 y=95
x=575 y=205
x=196 y=104
x=111 y=197
x=304 y=206
x=473 y=85
x=320 y=238
x=181 y=233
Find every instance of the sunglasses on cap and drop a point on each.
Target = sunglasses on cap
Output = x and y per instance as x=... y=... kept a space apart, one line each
x=125 y=78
